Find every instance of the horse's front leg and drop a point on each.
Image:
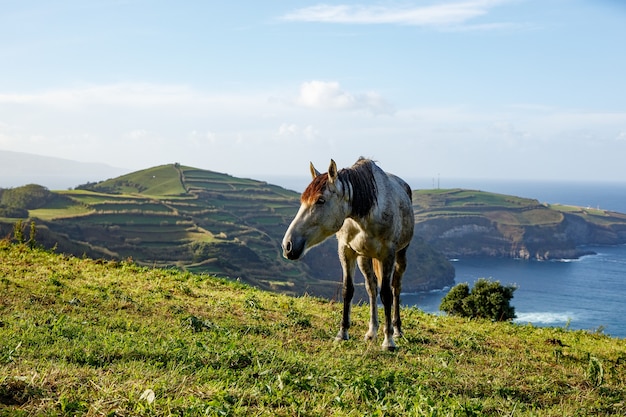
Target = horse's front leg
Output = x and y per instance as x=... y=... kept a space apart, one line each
x=387 y=296
x=347 y=257
x=371 y=285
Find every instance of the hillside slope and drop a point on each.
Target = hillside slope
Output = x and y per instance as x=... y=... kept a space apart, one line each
x=464 y=223
x=176 y=343
x=204 y=221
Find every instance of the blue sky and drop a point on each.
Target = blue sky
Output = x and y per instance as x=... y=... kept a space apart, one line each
x=496 y=89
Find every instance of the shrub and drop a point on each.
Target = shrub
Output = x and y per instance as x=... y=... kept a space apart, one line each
x=488 y=300
x=13 y=212
x=28 y=197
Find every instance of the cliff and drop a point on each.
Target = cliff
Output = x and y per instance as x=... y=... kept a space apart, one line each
x=475 y=223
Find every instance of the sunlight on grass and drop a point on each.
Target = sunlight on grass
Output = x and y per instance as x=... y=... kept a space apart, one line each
x=185 y=344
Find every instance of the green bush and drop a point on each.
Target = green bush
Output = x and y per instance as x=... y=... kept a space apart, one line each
x=13 y=212
x=487 y=300
x=27 y=197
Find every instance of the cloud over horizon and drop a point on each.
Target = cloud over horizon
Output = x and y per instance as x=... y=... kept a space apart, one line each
x=465 y=88
x=435 y=15
x=135 y=126
x=329 y=95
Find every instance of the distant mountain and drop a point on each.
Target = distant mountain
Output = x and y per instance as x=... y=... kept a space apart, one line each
x=206 y=222
x=19 y=168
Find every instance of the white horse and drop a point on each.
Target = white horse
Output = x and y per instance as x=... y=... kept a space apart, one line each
x=371 y=213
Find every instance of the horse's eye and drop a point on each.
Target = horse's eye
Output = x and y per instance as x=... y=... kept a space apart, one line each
x=320 y=201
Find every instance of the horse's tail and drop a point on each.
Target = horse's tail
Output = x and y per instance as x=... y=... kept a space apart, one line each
x=378 y=270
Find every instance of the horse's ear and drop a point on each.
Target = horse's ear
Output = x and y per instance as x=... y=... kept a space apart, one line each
x=314 y=172
x=332 y=172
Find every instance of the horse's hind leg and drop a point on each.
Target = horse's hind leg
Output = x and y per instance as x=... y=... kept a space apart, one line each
x=387 y=297
x=396 y=285
x=347 y=257
x=371 y=285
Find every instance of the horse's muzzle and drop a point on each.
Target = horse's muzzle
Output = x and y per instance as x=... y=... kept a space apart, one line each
x=293 y=248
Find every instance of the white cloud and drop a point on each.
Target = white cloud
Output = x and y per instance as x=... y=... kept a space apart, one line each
x=329 y=95
x=290 y=130
x=121 y=125
x=110 y=94
x=287 y=129
x=320 y=95
x=440 y=14
x=138 y=95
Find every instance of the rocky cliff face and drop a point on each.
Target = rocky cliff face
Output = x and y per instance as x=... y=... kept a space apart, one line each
x=462 y=223
x=479 y=236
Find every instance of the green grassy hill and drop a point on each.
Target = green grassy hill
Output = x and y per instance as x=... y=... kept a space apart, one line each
x=85 y=337
x=469 y=223
x=174 y=215
x=206 y=222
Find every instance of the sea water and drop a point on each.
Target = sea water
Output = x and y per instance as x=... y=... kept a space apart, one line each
x=587 y=293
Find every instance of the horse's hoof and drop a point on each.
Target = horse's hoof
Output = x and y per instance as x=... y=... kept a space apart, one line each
x=341 y=336
x=389 y=346
x=370 y=336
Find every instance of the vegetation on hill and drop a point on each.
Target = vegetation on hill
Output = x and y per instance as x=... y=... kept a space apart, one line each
x=85 y=337
x=477 y=223
x=15 y=202
x=203 y=221
x=487 y=300
x=207 y=222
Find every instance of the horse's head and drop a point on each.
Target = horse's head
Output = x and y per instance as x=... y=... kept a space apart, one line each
x=324 y=206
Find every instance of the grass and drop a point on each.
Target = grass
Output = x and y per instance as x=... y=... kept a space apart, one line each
x=85 y=337
x=466 y=199
x=503 y=209
x=476 y=223
x=140 y=214
x=159 y=181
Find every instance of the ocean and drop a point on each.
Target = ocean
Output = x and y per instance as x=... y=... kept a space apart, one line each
x=587 y=293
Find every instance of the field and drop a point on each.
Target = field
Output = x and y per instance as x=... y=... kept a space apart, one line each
x=177 y=343
x=202 y=221
x=172 y=215
x=501 y=208
x=462 y=222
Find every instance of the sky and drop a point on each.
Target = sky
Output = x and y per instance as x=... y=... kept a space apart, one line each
x=496 y=89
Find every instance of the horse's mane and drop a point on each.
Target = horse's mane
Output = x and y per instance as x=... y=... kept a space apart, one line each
x=358 y=180
x=362 y=185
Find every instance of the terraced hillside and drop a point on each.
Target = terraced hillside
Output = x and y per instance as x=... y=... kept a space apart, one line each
x=475 y=223
x=203 y=221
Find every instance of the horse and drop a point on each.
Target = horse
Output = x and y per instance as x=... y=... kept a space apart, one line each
x=371 y=214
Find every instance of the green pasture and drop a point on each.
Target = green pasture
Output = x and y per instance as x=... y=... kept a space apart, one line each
x=178 y=343
x=164 y=180
x=467 y=199
x=534 y=217
x=128 y=219
x=131 y=206
x=61 y=210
